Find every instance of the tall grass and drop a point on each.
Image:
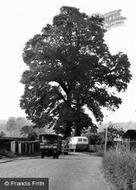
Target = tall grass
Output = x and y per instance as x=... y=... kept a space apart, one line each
x=120 y=169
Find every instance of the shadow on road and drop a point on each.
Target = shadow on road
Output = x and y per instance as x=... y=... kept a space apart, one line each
x=70 y=156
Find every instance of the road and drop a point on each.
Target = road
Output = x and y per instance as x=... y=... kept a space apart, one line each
x=77 y=171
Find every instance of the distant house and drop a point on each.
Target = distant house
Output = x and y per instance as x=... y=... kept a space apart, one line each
x=130 y=135
x=130 y=138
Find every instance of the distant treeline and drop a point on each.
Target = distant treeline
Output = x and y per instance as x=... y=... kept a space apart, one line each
x=13 y=126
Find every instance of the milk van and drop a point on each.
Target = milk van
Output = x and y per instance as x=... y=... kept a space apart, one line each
x=78 y=143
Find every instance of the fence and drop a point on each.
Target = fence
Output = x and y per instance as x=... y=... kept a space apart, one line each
x=25 y=147
x=100 y=147
x=18 y=146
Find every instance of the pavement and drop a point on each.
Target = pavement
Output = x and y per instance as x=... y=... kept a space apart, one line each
x=76 y=171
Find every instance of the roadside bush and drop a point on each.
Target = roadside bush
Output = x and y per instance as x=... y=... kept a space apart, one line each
x=7 y=153
x=120 y=169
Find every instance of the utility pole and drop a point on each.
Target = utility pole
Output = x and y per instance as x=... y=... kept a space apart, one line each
x=106 y=137
x=106 y=134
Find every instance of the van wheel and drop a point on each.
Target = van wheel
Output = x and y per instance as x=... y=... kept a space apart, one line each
x=57 y=156
x=42 y=155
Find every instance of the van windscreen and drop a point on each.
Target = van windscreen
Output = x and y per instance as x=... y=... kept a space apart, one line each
x=80 y=140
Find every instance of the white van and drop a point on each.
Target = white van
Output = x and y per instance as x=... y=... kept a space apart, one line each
x=78 y=143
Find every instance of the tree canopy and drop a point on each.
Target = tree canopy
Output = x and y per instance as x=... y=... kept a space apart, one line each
x=69 y=67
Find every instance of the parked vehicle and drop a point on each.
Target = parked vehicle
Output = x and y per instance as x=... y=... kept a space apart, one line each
x=78 y=143
x=50 y=145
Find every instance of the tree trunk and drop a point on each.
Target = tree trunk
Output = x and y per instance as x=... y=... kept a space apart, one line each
x=68 y=130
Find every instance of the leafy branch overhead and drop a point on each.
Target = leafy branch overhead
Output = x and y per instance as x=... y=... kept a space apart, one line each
x=69 y=67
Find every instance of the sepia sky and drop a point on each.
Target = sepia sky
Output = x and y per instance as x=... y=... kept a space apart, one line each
x=20 y=20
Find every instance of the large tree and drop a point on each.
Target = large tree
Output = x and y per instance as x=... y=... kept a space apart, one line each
x=69 y=67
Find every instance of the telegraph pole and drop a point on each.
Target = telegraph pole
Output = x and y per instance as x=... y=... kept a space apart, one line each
x=106 y=134
x=106 y=137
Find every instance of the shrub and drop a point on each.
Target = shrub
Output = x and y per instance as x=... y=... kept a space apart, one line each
x=7 y=153
x=120 y=169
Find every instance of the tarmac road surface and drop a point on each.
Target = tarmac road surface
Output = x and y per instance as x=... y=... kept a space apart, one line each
x=77 y=171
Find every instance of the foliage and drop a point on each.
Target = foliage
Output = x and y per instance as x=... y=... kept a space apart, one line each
x=113 y=132
x=120 y=168
x=7 y=153
x=32 y=136
x=92 y=135
x=69 y=67
x=14 y=125
x=11 y=124
x=30 y=131
x=25 y=130
x=93 y=138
